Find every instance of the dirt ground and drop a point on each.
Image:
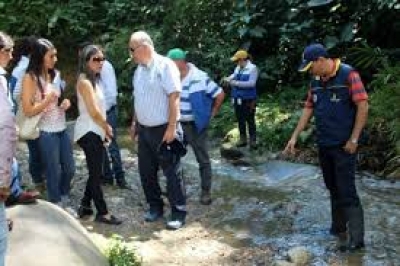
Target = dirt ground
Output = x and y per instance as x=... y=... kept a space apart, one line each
x=201 y=241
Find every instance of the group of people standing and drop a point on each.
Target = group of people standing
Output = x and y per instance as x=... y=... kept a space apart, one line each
x=174 y=102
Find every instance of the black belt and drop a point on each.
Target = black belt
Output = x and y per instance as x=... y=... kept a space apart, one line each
x=152 y=127
x=187 y=123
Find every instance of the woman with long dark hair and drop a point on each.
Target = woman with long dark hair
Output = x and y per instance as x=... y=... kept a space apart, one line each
x=40 y=94
x=92 y=131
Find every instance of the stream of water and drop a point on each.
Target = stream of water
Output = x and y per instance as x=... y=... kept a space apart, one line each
x=285 y=205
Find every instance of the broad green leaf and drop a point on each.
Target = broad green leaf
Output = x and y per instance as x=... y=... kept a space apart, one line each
x=330 y=41
x=317 y=3
x=346 y=35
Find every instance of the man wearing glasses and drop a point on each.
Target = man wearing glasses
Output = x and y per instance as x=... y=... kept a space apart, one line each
x=156 y=90
x=338 y=101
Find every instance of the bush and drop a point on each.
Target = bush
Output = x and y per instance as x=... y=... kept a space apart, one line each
x=119 y=254
x=276 y=117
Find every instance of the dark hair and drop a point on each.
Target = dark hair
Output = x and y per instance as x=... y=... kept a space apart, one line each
x=24 y=47
x=87 y=52
x=36 y=62
x=84 y=44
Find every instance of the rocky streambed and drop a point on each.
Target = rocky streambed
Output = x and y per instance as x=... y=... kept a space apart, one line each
x=264 y=212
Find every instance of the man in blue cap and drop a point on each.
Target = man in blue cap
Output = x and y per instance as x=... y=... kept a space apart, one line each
x=201 y=99
x=339 y=103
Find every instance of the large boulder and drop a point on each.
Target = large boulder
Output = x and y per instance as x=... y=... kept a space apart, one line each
x=46 y=235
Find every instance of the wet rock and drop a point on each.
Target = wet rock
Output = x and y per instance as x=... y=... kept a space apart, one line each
x=283 y=263
x=230 y=152
x=45 y=235
x=241 y=162
x=299 y=256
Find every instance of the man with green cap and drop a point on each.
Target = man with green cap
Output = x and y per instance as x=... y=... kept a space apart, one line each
x=201 y=98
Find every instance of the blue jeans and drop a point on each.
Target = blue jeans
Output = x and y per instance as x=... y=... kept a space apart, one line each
x=59 y=163
x=36 y=168
x=3 y=234
x=15 y=186
x=113 y=150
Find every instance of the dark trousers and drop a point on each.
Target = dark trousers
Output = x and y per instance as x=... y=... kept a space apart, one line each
x=199 y=144
x=338 y=168
x=113 y=151
x=245 y=112
x=93 y=147
x=149 y=162
x=36 y=167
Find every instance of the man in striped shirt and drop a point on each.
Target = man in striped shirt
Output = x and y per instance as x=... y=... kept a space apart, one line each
x=201 y=98
x=339 y=103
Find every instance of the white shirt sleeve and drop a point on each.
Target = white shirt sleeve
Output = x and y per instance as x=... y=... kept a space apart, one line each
x=251 y=82
x=108 y=82
x=171 y=78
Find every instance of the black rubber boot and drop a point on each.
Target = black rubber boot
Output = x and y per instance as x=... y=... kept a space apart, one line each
x=355 y=216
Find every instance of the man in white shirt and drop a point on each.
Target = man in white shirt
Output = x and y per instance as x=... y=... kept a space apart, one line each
x=156 y=91
x=108 y=84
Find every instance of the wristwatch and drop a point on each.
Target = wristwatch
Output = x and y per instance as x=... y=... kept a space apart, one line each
x=354 y=141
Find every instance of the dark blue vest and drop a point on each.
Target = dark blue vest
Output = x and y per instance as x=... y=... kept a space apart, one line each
x=244 y=75
x=334 y=109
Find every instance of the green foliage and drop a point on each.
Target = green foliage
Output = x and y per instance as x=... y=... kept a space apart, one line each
x=385 y=99
x=119 y=254
x=274 y=32
x=367 y=57
x=276 y=117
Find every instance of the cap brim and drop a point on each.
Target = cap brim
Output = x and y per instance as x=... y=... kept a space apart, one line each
x=234 y=58
x=305 y=66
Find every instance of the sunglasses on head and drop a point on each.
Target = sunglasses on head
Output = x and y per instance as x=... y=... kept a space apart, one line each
x=98 y=59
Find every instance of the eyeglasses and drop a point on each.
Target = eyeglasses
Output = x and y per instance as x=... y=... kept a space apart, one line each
x=7 y=50
x=98 y=59
x=134 y=49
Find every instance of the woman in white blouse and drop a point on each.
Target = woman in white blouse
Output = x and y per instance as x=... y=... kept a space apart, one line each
x=92 y=132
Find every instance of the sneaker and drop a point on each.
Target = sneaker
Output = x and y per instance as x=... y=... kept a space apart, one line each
x=205 y=198
x=176 y=221
x=152 y=215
